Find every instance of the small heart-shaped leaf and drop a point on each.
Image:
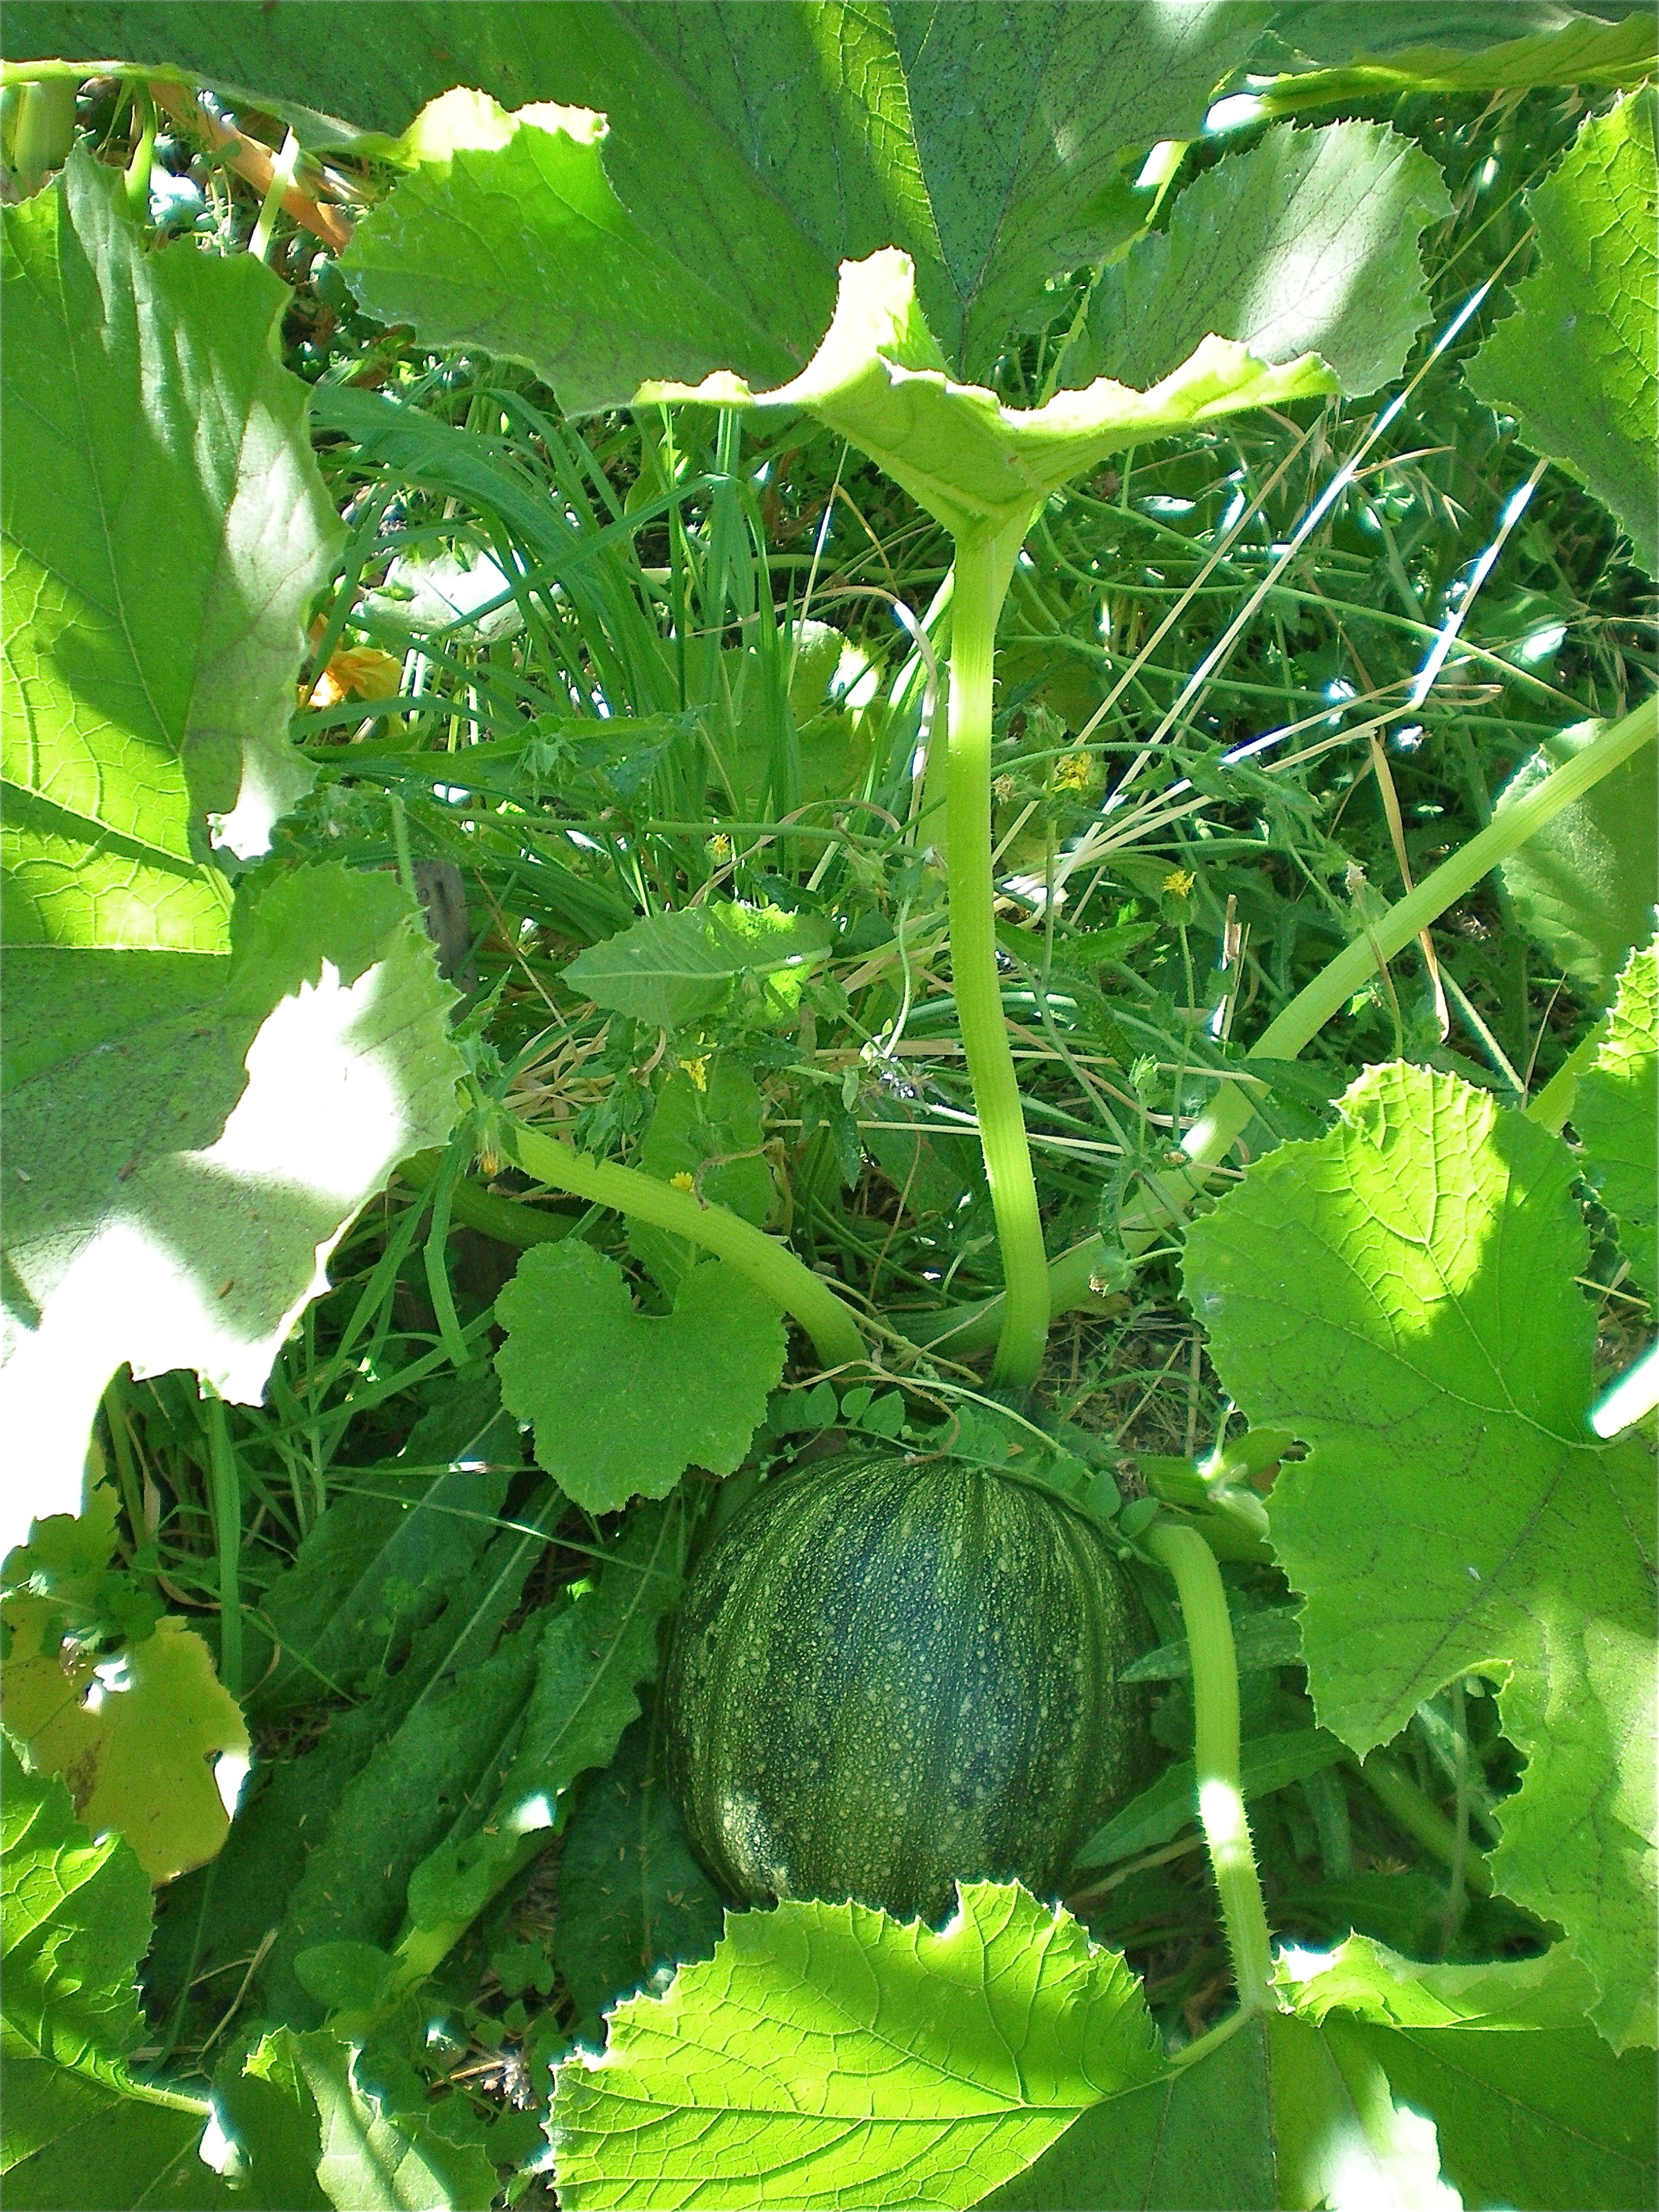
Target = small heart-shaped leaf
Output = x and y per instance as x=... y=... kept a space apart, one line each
x=622 y=1403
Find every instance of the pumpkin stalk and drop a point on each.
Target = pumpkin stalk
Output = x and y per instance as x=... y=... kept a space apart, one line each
x=984 y=562
x=1215 y=1751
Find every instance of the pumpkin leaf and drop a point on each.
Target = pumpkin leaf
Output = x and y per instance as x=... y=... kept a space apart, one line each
x=1616 y=1114
x=674 y=968
x=829 y=2055
x=77 y=1920
x=1307 y=244
x=135 y=1738
x=624 y=1404
x=744 y=156
x=1418 y=45
x=1357 y=1290
x=1578 y=360
x=1281 y=2113
x=880 y=378
x=1530 y=2105
x=145 y=404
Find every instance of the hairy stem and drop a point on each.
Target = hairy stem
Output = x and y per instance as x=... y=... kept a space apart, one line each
x=1215 y=1753
x=981 y=569
x=963 y=1331
x=770 y=1265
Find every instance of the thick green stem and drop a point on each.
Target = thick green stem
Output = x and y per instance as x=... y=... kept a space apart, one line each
x=1215 y=1755
x=506 y=1219
x=981 y=572
x=770 y=1265
x=965 y=1330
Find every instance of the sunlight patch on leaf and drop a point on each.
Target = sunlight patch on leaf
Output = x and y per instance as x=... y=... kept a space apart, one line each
x=148 y=417
x=187 y=1174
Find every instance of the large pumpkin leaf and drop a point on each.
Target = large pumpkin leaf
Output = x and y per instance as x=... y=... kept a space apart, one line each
x=1282 y=2113
x=76 y=1922
x=1530 y=2105
x=751 y=150
x=188 y=1159
x=622 y=1403
x=1307 y=244
x=1400 y=1294
x=1583 y=884
x=1578 y=360
x=1615 y=1110
x=1396 y=2079
x=828 y=2055
x=882 y=381
x=165 y=528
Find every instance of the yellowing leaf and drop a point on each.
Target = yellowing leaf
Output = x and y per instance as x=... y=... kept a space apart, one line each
x=135 y=1739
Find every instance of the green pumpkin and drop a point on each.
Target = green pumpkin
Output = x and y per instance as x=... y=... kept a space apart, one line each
x=889 y=1676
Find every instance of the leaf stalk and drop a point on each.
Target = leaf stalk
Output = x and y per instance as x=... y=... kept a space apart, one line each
x=984 y=562
x=770 y=1265
x=1215 y=1755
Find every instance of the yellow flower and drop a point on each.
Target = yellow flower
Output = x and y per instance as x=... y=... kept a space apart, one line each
x=1177 y=882
x=719 y=847
x=698 y=1071
x=1073 y=773
x=360 y=670
x=682 y=1181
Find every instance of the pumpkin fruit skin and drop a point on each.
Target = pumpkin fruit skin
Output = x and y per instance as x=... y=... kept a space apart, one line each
x=888 y=1675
